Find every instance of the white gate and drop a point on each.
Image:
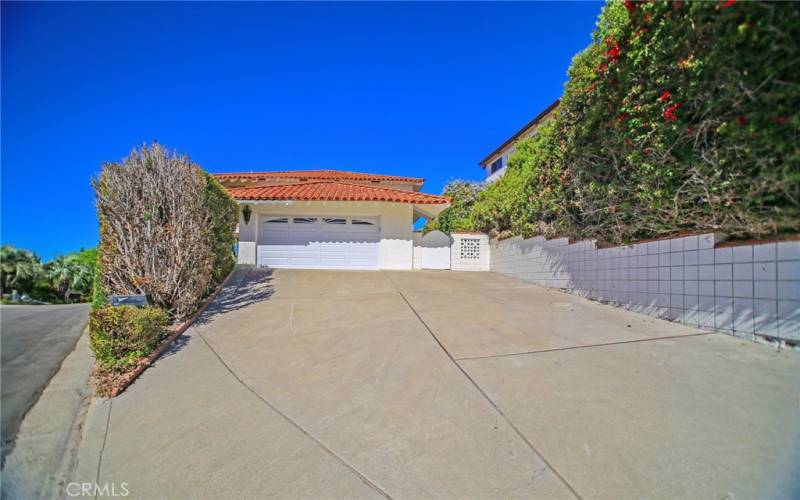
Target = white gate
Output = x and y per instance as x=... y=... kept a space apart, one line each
x=434 y=249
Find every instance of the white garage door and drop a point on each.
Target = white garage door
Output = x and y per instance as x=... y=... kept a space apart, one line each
x=319 y=242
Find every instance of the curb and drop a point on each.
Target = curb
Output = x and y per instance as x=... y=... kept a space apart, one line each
x=177 y=331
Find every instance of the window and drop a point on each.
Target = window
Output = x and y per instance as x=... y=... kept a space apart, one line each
x=470 y=248
x=496 y=165
x=304 y=220
x=327 y=220
x=362 y=222
x=277 y=220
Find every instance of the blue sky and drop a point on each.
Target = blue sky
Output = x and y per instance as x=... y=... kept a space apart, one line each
x=422 y=89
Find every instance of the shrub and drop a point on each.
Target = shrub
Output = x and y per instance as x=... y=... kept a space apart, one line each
x=683 y=116
x=121 y=336
x=457 y=217
x=528 y=199
x=680 y=116
x=98 y=289
x=223 y=215
x=166 y=229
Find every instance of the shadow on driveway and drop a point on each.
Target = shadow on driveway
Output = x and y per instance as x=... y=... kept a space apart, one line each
x=248 y=285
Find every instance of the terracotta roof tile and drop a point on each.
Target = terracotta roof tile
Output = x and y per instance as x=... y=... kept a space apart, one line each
x=334 y=191
x=319 y=175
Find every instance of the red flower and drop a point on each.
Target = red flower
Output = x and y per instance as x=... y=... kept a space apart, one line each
x=623 y=116
x=602 y=67
x=630 y=5
x=613 y=52
x=671 y=113
x=742 y=120
x=664 y=96
x=728 y=3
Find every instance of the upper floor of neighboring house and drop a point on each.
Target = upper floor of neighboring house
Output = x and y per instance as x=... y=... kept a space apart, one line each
x=494 y=165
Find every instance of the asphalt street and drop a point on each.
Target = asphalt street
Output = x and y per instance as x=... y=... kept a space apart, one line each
x=34 y=341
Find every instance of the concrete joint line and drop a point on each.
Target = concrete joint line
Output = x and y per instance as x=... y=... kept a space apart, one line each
x=103 y=447
x=621 y=342
x=485 y=395
x=306 y=433
x=69 y=461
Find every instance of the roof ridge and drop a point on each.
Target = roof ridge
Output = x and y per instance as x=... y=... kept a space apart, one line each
x=380 y=193
x=299 y=173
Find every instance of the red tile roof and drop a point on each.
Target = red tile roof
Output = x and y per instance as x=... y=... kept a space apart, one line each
x=319 y=175
x=334 y=191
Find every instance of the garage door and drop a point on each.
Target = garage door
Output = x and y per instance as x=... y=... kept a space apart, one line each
x=319 y=242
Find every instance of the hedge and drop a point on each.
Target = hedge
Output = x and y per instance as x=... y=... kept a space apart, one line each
x=679 y=117
x=121 y=336
x=167 y=230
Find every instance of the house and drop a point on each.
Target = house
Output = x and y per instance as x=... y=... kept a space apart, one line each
x=329 y=219
x=494 y=165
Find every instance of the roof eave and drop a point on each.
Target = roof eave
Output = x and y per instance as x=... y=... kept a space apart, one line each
x=516 y=136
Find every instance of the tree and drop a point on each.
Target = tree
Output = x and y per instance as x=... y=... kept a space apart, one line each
x=69 y=273
x=18 y=268
x=62 y=271
x=87 y=261
x=457 y=217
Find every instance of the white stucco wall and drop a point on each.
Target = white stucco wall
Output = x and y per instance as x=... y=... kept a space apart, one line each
x=396 y=246
x=417 y=257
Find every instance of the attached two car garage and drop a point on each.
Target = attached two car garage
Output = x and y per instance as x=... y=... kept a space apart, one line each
x=315 y=242
x=329 y=219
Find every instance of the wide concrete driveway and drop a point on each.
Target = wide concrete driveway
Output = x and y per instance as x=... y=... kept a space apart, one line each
x=317 y=384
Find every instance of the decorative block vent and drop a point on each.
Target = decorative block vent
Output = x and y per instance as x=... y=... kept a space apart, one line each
x=471 y=248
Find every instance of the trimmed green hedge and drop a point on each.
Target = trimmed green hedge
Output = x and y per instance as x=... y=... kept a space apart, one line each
x=121 y=336
x=223 y=214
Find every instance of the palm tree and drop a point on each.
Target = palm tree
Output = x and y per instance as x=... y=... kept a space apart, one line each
x=68 y=273
x=62 y=272
x=18 y=267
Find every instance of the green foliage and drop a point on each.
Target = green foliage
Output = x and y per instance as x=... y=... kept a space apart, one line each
x=71 y=273
x=43 y=290
x=19 y=269
x=680 y=116
x=121 y=336
x=98 y=288
x=457 y=217
x=528 y=199
x=51 y=282
x=223 y=214
x=683 y=116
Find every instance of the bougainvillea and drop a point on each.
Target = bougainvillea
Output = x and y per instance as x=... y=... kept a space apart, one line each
x=700 y=85
x=680 y=116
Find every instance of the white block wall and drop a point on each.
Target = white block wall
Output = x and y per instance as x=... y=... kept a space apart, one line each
x=752 y=291
x=469 y=255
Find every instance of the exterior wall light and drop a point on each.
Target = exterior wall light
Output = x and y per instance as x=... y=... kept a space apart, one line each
x=246 y=214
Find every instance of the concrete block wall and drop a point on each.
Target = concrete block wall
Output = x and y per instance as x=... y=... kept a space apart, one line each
x=469 y=252
x=752 y=291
